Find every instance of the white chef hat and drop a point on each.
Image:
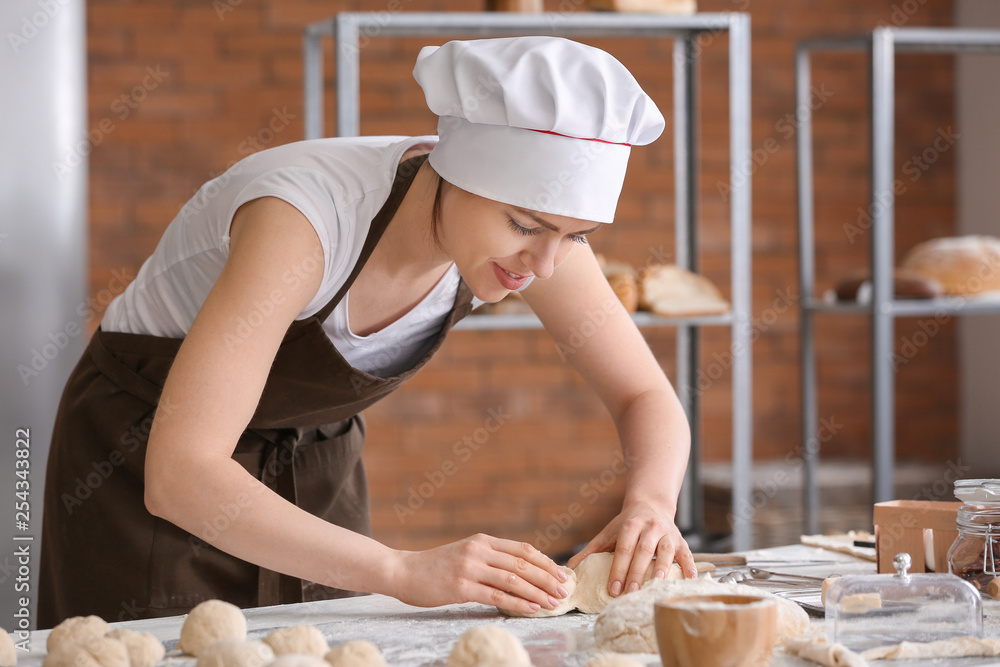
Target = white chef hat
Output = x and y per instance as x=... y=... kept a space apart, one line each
x=543 y=123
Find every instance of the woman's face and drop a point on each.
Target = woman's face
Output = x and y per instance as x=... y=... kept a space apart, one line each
x=497 y=247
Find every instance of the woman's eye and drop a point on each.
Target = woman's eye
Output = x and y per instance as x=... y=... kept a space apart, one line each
x=525 y=231
x=582 y=240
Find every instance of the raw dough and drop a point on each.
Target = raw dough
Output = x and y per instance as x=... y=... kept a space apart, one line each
x=819 y=650
x=567 y=604
x=304 y=639
x=611 y=660
x=8 y=654
x=626 y=624
x=75 y=629
x=93 y=652
x=298 y=660
x=356 y=653
x=235 y=653
x=209 y=622
x=488 y=646
x=592 y=576
x=957 y=647
x=144 y=650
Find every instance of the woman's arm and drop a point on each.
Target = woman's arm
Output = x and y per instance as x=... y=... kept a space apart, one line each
x=212 y=391
x=616 y=361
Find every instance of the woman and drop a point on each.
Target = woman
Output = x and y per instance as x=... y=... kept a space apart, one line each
x=220 y=401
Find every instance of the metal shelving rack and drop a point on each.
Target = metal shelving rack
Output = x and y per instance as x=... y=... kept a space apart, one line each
x=348 y=28
x=882 y=45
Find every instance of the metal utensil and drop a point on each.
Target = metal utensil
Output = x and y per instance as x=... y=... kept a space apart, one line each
x=758 y=573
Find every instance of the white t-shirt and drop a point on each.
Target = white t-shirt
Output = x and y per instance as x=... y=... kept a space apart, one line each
x=339 y=185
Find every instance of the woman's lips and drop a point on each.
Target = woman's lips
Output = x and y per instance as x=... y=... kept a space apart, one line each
x=509 y=280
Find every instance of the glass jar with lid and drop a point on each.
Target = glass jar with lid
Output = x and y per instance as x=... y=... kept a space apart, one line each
x=975 y=554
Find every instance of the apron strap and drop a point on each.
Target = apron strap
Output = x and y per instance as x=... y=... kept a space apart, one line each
x=404 y=177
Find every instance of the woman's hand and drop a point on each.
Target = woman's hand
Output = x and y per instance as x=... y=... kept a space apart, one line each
x=641 y=531
x=511 y=575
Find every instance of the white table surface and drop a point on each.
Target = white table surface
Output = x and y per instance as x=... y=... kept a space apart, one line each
x=413 y=636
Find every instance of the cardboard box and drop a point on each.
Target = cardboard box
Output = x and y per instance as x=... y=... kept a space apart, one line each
x=924 y=529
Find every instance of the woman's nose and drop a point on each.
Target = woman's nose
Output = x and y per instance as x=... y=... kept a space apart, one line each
x=544 y=256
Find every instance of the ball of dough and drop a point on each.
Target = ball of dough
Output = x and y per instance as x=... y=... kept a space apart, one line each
x=235 y=653
x=144 y=650
x=93 y=652
x=626 y=625
x=75 y=629
x=355 y=653
x=303 y=639
x=611 y=660
x=8 y=653
x=209 y=622
x=592 y=577
x=488 y=645
x=298 y=660
x=567 y=604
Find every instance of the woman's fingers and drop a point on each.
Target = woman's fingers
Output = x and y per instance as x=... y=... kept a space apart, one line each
x=524 y=559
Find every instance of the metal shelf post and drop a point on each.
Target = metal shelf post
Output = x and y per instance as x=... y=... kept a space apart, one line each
x=882 y=45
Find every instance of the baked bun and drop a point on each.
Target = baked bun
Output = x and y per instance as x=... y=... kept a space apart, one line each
x=623 y=279
x=907 y=284
x=670 y=291
x=962 y=264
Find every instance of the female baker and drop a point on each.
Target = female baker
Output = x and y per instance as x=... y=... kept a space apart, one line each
x=220 y=402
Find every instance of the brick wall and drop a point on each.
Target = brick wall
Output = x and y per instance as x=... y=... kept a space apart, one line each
x=498 y=434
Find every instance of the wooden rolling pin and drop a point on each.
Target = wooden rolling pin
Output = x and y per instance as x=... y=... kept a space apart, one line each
x=993 y=589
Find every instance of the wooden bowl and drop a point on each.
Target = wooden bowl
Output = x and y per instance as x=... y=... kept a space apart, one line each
x=716 y=631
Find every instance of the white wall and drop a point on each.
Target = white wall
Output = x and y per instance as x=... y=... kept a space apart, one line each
x=43 y=251
x=978 y=188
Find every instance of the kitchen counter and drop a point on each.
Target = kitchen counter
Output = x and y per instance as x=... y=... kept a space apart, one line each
x=413 y=636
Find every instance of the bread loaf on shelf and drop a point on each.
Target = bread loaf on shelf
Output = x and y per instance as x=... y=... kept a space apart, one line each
x=907 y=284
x=670 y=291
x=964 y=265
x=623 y=279
x=677 y=7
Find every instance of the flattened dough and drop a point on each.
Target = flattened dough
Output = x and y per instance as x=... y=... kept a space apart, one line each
x=566 y=605
x=957 y=647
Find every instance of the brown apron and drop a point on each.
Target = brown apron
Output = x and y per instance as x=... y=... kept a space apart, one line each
x=104 y=554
